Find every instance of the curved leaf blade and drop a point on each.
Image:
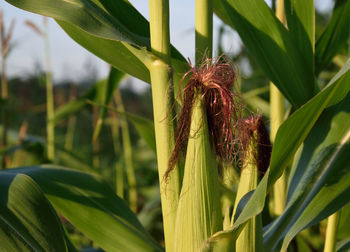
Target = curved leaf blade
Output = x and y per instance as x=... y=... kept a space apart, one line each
x=296 y=128
x=300 y=16
x=118 y=54
x=271 y=45
x=90 y=205
x=114 y=78
x=334 y=37
x=27 y=220
x=144 y=127
x=320 y=179
x=87 y=15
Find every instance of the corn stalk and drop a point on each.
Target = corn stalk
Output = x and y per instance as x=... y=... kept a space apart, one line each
x=276 y=118
x=127 y=150
x=161 y=79
x=50 y=126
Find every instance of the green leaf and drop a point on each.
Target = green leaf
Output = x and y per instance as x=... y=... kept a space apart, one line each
x=335 y=36
x=301 y=24
x=343 y=246
x=90 y=205
x=343 y=228
x=116 y=53
x=296 y=128
x=89 y=16
x=94 y=94
x=113 y=30
x=272 y=46
x=144 y=127
x=27 y=220
x=114 y=78
x=321 y=178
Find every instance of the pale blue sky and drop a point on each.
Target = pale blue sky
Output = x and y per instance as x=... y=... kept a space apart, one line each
x=68 y=58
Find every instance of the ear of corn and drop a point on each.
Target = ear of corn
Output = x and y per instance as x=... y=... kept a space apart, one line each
x=198 y=215
x=250 y=239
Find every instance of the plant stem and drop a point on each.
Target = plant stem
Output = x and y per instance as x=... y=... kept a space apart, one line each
x=68 y=145
x=50 y=127
x=331 y=233
x=161 y=78
x=119 y=172
x=277 y=116
x=127 y=149
x=4 y=96
x=95 y=142
x=204 y=29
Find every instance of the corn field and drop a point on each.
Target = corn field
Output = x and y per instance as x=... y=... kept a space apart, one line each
x=258 y=164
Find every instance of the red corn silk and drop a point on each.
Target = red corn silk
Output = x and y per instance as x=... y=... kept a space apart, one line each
x=214 y=81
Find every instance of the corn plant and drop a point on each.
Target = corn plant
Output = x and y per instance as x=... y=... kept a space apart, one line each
x=6 y=46
x=212 y=129
x=50 y=106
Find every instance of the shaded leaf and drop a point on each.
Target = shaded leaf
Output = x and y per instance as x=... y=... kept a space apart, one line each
x=114 y=78
x=90 y=205
x=144 y=127
x=321 y=178
x=334 y=37
x=27 y=220
x=271 y=45
x=300 y=16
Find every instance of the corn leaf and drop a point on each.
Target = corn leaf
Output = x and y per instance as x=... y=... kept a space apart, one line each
x=90 y=205
x=114 y=78
x=72 y=107
x=28 y=222
x=113 y=30
x=343 y=246
x=272 y=46
x=321 y=178
x=144 y=127
x=300 y=16
x=335 y=36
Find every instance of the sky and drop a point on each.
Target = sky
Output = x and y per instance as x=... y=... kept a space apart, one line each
x=68 y=59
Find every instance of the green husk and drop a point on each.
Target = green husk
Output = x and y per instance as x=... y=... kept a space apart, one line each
x=250 y=239
x=198 y=214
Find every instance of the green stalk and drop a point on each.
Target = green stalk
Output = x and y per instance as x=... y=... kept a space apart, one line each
x=250 y=239
x=50 y=126
x=161 y=78
x=5 y=38
x=119 y=173
x=95 y=142
x=331 y=233
x=68 y=145
x=204 y=29
x=4 y=96
x=277 y=116
x=127 y=150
